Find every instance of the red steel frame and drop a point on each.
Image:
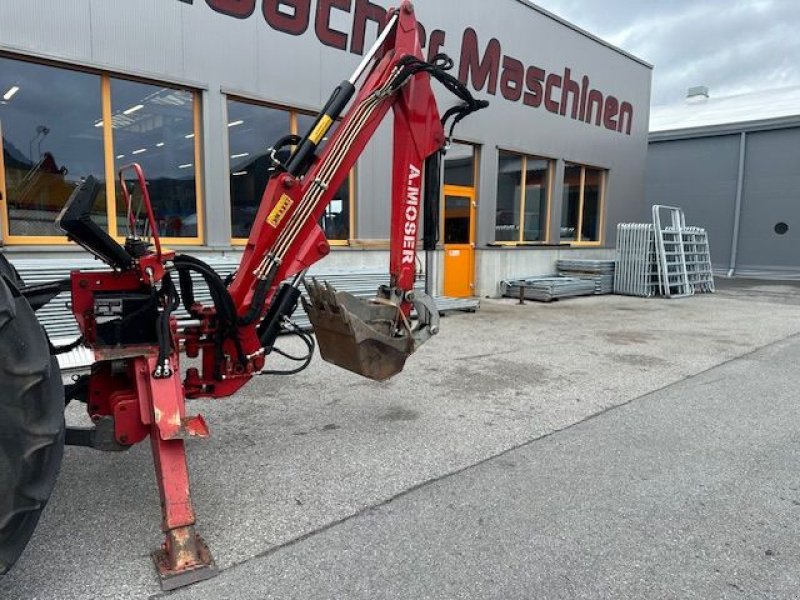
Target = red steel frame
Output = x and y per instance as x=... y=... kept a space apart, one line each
x=123 y=385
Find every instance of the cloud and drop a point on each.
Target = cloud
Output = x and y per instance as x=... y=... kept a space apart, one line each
x=733 y=46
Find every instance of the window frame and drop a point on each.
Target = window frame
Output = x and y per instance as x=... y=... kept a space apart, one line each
x=601 y=208
x=111 y=175
x=293 y=130
x=551 y=163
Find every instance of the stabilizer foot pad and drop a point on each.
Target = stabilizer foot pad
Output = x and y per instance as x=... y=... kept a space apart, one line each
x=172 y=580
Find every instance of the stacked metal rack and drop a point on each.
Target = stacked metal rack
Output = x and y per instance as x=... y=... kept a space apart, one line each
x=637 y=267
x=547 y=289
x=601 y=272
x=668 y=259
x=698 y=260
x=672 y=274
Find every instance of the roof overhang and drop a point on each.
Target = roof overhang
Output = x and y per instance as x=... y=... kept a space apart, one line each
x=725 y=129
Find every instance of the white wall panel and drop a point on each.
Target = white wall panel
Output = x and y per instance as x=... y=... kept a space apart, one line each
x=140 y=36
x=61 y=28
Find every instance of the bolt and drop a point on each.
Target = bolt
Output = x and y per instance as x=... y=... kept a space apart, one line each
x=435 y=330
x=288 y=182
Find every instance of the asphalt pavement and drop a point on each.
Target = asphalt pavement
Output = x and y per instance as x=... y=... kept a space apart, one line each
x=689 y=492
x=597 y=448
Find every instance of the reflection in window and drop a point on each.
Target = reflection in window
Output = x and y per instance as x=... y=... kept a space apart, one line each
x=457 y=220
x=51 y=121
x=571 y=202
x=154 y=126
x=590 y=222
x=582 y=205
x=336 y=220
x=523 y=196
x=252 y=130
x=509 y=196
x=537 y=175
x=459 y=165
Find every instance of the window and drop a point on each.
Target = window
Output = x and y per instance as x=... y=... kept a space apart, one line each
x=61 y=125
x=523 y=198
x=252 y=130
x=460 y=176
x=582 y=204
x=459 y=165
x=154 y=126
x=52 y=131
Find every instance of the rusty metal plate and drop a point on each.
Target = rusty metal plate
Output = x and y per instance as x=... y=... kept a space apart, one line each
x=172 y=579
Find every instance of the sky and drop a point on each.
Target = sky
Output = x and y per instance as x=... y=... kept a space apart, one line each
x=731 y=46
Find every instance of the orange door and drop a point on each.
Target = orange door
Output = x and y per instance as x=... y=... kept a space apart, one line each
x=459 y=241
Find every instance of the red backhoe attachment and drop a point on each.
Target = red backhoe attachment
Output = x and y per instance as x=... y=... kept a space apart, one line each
x=126 y=314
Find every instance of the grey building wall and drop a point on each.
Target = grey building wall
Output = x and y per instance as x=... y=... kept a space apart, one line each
x=186 y=42
x=699 y=170
x=771 y=196
x=699 y=175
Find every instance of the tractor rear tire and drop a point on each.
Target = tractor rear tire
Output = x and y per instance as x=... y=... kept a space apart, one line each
x=10 y=271
x=31 y=423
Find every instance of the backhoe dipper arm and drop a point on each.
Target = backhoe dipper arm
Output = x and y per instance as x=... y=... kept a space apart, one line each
x=286 y=238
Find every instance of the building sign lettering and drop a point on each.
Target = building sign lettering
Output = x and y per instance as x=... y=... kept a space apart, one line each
x=483 y=67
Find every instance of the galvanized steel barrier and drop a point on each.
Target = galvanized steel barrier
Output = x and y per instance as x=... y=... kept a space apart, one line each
x=575 y=278
x=672 y=260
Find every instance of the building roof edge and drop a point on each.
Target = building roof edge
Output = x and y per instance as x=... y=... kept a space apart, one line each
x=584 y=33
x=725 y=129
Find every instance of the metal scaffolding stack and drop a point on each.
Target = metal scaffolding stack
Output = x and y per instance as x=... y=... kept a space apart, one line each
x=547 y=289
x=599 y=271
x=637 y=267
x=673 y=276
x=666 y=258
x=698 y=260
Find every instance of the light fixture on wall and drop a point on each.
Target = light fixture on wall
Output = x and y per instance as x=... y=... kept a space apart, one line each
x=10 y=93
x=133 y=109
x=235 y=123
